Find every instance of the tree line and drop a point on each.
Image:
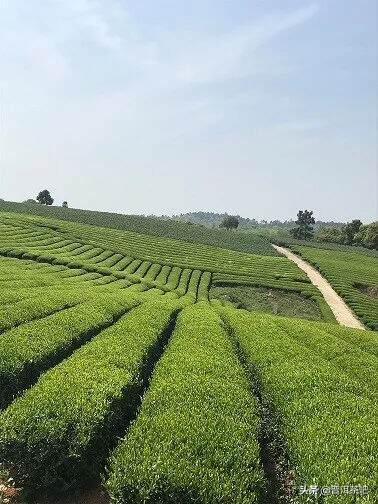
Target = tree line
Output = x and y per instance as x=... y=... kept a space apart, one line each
x=352 y=233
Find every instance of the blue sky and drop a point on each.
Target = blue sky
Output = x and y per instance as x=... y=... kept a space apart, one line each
x=258 y=108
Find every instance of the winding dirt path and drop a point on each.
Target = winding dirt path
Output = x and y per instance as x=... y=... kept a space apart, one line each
x=342 y=312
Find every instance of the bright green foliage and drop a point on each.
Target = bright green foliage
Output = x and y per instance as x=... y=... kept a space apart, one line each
x=367 y=341
x=60 y=428
x=152 y=272
x=32 y=348
x=327 y=416
x=96 y=262
x=203 y=287
x=163 y=275
x=325 y=341
x=197 y=436
x=36 y=307
x=195 y=439
x=11 y=296
x=174 y=278
x=184 y=282
x=224 y=265
x=144 y=247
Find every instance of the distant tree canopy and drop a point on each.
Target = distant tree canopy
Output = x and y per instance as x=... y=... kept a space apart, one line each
x=304 y=222
x=44 y=197
x=212 y=219
x=352 y=233
x=65 y=204
x=349 y=231
x=367 y=236
x=30 y=201
x=229 y=222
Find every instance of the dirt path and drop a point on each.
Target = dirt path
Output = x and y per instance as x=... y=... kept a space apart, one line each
x=342 y=312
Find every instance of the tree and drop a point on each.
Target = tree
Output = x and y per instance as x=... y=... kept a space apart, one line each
x=31 y=201
x=304 y=222
x=367 y=236
x=44 y=198
x=229 y=222
x=65 y=204
x=349 y=231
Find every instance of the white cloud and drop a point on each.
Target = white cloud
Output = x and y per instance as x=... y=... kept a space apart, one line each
x=96 y=18
x=43 y=57
x=232 y=55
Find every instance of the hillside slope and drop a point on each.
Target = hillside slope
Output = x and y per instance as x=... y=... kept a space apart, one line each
x=152 y=226
x=80 y=245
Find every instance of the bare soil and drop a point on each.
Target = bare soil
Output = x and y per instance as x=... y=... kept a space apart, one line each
x=369 y=290
x=94 y=495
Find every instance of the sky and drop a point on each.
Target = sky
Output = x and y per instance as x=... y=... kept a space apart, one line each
x=258 y=108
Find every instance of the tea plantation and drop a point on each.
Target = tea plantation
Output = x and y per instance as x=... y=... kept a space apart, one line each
x=117 y=367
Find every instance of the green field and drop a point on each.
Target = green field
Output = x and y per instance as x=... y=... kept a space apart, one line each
x=119 y=365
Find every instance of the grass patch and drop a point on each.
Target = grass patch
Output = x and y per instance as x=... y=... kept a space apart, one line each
x=276 y=301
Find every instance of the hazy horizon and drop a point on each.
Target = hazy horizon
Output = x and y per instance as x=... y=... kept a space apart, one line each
x=251 y=108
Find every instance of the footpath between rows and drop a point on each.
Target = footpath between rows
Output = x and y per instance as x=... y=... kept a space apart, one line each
x=342 y=312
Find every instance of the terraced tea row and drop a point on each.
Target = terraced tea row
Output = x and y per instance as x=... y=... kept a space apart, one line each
x=155 y=227
x=225 y=379
x=90 y=395
x=322 y=394
x=196 y=437
x=131 y=255
x=160 y=250
x=20 y=279
x=42 y=246
x=33 y=347
x=110 y=366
